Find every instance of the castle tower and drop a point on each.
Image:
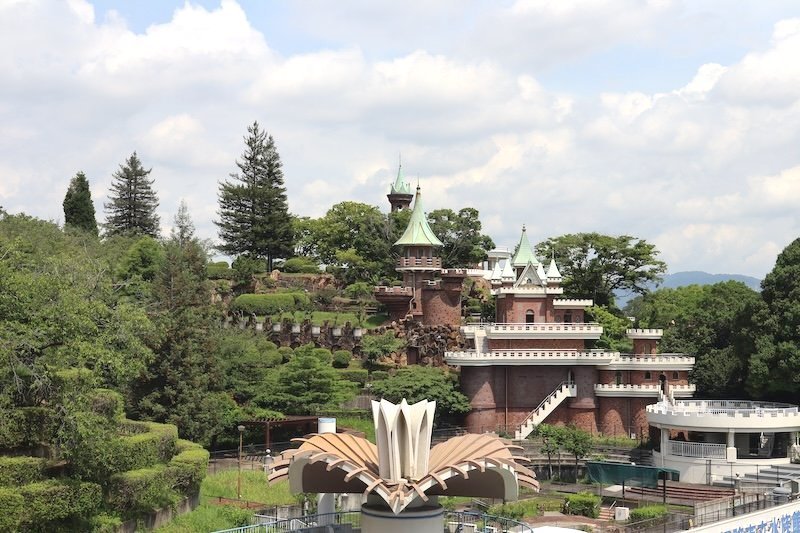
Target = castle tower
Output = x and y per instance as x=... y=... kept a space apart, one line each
x=524 y=255
x=400 y=192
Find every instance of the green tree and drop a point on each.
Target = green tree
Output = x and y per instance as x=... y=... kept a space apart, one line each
x=665 y=307
x=774 y=370
x=595 y=265
x=579 y=443
x=253 y=210
x=374 y=347
x=184 y=383
x=78 y=206
x=718 y=329
x=416 y=383
x=615 y=326
x=305 y=385
x=460 y=233
x=132 y=201
x=553 y=438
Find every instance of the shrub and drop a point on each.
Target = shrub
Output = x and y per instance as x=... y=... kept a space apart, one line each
x=302 y=302
x=142 y=490
x=356 y=375
x=219 y=270
x=21 y=470
x=648 y=512
x=286 y=353
x=107 y=403
x=72 y=381
x=51 y=500
x=105 y=523
x=359 y=290
x=301 y=265
x=376 y=346
x=187 y=469
x=582 y=503
x=182 y=445
x=515 y=510
x=244 y=267
x=379 y=375
x=26 y=427
x=12 y=507
x=323 y=354
x=341 y=358
x=264 y=304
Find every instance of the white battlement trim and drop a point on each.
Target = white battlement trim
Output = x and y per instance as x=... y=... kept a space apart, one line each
x=529 y=357
x=721 y=415
x=544 y=330
x=644 y=333
x=661 y=362
x=572 y=303
x=523 y=292
x=628 y=390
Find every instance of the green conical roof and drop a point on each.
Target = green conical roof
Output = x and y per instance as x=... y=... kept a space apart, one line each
x=524 y=253
x=418 y=232
x=400 y=186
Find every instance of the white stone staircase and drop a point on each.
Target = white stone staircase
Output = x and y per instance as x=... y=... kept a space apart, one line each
x=563 y=391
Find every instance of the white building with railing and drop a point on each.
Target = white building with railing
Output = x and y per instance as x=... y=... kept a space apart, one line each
x=721 y=441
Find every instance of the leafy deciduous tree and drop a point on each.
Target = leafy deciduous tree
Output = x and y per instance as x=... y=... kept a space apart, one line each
x=460 y=233
x=416 y=383
x=253 y=210
x=595 y=265
x=132 y=201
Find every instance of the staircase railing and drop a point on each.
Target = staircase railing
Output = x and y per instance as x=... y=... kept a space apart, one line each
x=547 y=400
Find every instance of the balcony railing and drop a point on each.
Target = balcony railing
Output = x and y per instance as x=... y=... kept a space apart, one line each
x=530 y=357
x=549 y=327
x=613 y=389
x=728 y=408
x=700 y=450
x=403 y=291
x=661 y=361
x=419 y=262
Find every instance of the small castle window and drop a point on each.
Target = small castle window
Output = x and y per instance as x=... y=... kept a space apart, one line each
x=529 y=316
x=618 y=377
x=647 y=375
x=567 y=317
x=674 y=375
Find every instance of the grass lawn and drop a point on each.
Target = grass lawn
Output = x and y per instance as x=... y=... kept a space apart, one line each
x=319 y=317
x=376 y=320
x=360 y=424
x=211 y=517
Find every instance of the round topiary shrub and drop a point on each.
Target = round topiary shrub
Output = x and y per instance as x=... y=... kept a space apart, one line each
x=341 y=358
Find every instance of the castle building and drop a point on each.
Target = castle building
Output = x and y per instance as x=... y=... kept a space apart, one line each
x=400 y=192
x=429 y=293
x=536 y=363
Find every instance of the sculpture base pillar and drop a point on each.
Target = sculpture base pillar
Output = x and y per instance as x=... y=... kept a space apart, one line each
x=423 y=519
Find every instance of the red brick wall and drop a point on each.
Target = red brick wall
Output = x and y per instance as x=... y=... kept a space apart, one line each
x=645 y=346
x=441 y=306
x=533 y=344
x=477 y=383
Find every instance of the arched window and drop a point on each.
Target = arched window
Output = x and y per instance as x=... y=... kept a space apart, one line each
x=570 y=377
x=618 y=378
x=568 y=317
x=647 y=375
x=675 y=374
x=529 y=316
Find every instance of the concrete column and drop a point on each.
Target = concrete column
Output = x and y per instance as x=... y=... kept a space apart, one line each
x=664 y=444
x=731 y=439
x=326 y=502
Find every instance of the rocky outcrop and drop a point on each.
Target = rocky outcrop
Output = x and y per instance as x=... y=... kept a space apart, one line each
x=425 y=345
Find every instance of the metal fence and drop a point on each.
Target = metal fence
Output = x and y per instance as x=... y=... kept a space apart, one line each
x=454 y=522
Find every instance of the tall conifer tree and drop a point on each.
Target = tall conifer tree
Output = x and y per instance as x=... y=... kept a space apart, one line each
x=78 y=206
x=133 y=202
x=253 y=211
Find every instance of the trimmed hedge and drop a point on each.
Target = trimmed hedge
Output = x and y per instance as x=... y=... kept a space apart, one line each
x=583 y=503
x=379 y=375
x=187 y=470
x=51 y=500
x=264 y=304
x=219 y=270
x=356 y=375
x=341 y=358
x=107 y=403
x=72 y=381
x=25 y=427
x=301 y=265
x=157 y=444
x=12 y=507
x=15 y=471
x=649 y=512
x=182 y=445
x=141 y=491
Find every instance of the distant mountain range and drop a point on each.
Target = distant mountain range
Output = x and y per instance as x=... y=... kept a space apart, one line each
x=693 y=277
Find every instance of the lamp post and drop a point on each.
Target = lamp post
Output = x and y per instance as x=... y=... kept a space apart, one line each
x=239 y=481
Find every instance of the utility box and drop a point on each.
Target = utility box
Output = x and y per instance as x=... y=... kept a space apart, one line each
x=622 y=513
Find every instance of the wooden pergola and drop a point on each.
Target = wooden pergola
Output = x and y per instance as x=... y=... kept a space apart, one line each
x=310 y=422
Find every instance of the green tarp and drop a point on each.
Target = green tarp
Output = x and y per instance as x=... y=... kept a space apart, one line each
x=629 y=475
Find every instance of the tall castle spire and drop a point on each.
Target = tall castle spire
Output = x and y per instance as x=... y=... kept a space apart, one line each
x=400 y=192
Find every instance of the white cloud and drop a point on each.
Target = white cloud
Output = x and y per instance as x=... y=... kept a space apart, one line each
x=706 y=167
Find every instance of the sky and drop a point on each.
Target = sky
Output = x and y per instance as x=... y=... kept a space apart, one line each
x=677 y=122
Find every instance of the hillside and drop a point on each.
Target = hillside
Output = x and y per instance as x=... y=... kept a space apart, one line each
x=693 y=277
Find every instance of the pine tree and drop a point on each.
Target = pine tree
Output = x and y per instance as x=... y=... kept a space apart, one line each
x=253 y=212
x=133 y=203
x=78 y=206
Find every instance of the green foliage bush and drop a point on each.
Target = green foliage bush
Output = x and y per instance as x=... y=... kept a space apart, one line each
x=26 y=427
x=52 y=500
x=376 y=346
x=379 y=375
x=219 y=270
x=266 y=304
x=105 y=523
x=187 y=469
x=341 y=358
x=515 y=510
x=359 y=290
x=301 y=265
x=142 y=490
x=12 y=507
x=17 y=471
x=648 y=512
x=72 y=382
x=286 y=354
x=356 y=375
x=182 y=445
x=323 y=354
x=583 y=503
x=107 y=403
